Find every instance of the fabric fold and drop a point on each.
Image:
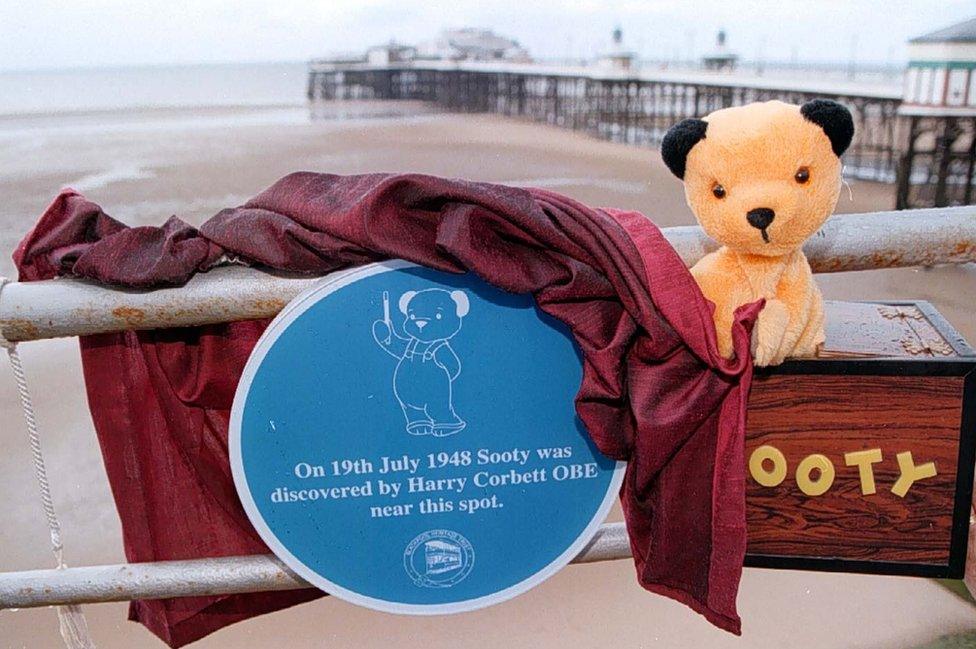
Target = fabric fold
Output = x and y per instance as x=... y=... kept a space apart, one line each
x=655 y=391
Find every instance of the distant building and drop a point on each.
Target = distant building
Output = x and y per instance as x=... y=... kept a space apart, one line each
x=941 y=73
x=471 y=44
x=392 y=52
x=466 y=44
x=618 y=57
x=721 y=58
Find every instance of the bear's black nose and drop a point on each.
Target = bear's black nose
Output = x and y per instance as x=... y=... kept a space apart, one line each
x=760 y=217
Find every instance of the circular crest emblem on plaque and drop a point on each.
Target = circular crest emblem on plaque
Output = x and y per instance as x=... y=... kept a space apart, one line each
x=438 y=558
x=394 y=422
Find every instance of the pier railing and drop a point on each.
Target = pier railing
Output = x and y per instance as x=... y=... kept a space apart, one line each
x=72 y=307
x=623 y=107
x=68 y=307
x=930 y=158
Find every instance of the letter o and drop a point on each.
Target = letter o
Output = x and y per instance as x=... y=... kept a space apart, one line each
x=820 y=485
x=760 y=474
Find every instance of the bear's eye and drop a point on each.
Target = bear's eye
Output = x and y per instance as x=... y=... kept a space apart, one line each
x=438 y=316
x=718 y=191
x=802 y=175
x=413 y=317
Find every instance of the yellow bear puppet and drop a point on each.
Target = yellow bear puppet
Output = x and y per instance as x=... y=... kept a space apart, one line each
x=761 y=179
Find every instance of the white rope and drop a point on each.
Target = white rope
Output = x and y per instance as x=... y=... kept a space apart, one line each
x=74 y=626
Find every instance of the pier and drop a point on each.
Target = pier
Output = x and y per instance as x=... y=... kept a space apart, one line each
x=928 y=156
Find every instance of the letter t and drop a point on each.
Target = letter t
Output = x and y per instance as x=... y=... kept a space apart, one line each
x=864 y=460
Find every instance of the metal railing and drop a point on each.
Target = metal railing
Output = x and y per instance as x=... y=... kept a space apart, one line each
x=69 y=307
x=197 y=577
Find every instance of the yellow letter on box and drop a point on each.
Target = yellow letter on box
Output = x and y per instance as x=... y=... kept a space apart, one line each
x=910 y=473
x=864 y=460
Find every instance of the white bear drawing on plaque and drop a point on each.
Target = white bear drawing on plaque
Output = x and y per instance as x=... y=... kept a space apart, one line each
x=427 y=366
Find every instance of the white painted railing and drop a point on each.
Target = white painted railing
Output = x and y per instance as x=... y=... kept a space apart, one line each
x=69 y=307
x=222 y=576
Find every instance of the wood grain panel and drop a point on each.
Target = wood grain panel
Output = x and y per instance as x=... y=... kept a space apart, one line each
x=802 y=414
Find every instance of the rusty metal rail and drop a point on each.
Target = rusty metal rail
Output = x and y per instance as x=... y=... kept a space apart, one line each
x=70 y=307
x=196 y=577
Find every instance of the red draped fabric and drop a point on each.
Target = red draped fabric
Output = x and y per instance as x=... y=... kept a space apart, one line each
x=655 y=391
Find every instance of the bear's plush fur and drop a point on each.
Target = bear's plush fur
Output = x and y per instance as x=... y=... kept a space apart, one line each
x=761 y=179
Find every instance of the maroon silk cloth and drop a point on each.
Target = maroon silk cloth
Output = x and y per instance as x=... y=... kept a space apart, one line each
x=655 y=391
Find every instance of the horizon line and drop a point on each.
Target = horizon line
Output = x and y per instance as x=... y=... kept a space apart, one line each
x=838 y=63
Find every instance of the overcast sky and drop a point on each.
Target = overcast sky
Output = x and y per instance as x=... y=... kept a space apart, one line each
x=52 y=34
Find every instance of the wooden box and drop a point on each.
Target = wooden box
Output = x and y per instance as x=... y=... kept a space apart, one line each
x=833 y=442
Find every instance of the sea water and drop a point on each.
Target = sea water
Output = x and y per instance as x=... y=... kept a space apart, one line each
x=101 y=89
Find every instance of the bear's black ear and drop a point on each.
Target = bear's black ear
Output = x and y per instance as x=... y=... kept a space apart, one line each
x=678 y=141
x=834 y=119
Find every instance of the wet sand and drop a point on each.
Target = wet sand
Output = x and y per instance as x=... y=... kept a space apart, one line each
x=143 y=166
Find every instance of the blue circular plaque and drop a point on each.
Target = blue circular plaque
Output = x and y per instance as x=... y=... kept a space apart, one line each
x=406 y=439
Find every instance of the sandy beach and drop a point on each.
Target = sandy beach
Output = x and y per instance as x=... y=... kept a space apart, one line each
x=144 y=165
